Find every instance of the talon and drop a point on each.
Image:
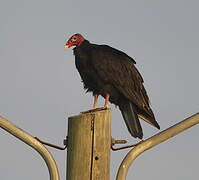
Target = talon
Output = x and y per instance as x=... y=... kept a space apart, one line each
x=94 y=110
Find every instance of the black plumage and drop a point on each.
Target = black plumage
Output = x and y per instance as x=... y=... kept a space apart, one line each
x=108 y=71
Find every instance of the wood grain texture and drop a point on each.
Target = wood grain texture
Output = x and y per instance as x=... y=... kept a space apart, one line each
x=89 y=143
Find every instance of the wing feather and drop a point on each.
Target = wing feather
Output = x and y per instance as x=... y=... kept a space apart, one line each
x=118 y=69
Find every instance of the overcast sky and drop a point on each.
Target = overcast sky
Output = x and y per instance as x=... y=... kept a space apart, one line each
x=40 y=86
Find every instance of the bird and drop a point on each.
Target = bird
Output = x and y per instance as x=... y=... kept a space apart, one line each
x=112 y=74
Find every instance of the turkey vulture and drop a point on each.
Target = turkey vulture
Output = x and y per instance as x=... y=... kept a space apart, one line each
x=112 y=74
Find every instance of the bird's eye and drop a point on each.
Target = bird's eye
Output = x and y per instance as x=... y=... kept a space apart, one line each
x=74 y=39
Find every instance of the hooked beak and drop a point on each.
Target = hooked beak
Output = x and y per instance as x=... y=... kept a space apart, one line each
x=66 y=46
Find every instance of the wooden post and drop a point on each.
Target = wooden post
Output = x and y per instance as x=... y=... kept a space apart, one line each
x=89 y=144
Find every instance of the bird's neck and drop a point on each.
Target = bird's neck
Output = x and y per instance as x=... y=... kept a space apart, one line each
x=84 y=43
x=82 y=50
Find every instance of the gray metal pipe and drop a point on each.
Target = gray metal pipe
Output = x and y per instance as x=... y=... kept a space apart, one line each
x=153 y=141
x=31 y=141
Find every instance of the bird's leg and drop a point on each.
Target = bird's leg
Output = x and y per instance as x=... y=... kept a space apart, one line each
x=106 y=103
x=95 y=101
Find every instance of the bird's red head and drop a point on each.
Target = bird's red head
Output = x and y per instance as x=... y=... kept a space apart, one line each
x=75 y=40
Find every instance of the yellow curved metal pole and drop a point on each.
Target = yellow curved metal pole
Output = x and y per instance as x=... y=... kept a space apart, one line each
x=31 y=141
x=153 y=141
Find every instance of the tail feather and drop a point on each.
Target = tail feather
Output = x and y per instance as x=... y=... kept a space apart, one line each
x=131 y=119
x=148 y=117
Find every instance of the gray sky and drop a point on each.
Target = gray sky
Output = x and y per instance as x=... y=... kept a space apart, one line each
x=40 y=86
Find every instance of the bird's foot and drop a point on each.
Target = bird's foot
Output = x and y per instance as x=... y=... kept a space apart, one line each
x=95 y=110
